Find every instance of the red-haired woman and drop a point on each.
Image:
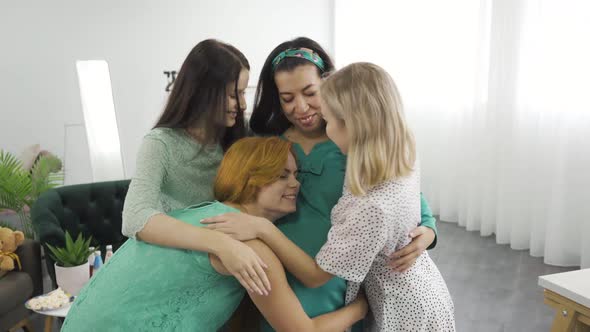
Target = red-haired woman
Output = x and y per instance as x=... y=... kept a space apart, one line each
x=147 y=287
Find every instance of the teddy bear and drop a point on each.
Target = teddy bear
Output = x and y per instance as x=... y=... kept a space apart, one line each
x=9 y=241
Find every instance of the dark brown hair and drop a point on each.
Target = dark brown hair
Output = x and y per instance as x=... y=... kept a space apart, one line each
x=267 y=116
x=199 y=97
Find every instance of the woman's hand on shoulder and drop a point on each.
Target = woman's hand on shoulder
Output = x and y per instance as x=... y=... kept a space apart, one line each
x=245 y=265
x=240 y=226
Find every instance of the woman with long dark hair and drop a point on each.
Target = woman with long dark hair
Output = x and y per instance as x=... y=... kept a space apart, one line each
x=179 y=157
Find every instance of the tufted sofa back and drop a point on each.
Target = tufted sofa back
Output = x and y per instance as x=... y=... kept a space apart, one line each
x=95 y=209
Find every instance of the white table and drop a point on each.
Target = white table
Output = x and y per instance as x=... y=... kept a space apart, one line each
x=51 y=314
x=569 y=294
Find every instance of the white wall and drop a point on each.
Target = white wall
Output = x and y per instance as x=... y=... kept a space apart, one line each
x=41 y=40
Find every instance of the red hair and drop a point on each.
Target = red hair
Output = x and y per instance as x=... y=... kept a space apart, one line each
x=248 y=165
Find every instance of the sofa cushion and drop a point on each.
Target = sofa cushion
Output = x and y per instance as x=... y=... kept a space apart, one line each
x=93 y=209
x=15 y=289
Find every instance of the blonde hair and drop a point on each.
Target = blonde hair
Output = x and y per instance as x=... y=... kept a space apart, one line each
x=381 y=146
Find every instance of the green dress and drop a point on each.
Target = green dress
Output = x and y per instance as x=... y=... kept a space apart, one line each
x=166 y=178
x=146 y=287
x=321 y=174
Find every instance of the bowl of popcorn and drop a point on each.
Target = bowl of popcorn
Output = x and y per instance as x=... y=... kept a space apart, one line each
x=53 y=300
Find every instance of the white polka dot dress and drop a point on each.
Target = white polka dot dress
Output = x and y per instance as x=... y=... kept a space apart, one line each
x=365 y=232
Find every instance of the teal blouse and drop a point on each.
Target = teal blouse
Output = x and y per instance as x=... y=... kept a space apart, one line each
x=321 y=174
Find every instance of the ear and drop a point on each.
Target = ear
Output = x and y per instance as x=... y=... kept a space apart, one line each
x=19 y=237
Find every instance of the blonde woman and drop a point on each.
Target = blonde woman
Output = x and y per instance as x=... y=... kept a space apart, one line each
x=379 y=206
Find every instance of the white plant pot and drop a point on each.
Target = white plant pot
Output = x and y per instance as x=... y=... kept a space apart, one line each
x=72 y=279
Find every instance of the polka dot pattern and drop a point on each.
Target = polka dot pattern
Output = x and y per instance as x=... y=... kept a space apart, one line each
x=365 y=232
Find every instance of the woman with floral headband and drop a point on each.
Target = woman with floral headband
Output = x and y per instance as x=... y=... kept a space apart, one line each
x=287 y=103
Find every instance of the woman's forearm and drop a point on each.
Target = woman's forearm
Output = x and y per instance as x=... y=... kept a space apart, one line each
x=341 y=319
x=427 y=219
x=295 y=260
x=282 y=300
x=166 y=231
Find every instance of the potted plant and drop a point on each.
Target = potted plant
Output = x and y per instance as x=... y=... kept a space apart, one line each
x=21 y=185
x=72 y=270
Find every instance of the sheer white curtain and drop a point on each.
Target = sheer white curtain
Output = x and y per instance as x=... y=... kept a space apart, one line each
x=498 y=94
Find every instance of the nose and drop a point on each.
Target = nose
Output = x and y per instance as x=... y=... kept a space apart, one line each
x=243 y=104
x=294 y=183
x=301 y=105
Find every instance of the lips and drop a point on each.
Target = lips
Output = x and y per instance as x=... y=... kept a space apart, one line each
x=307 y=120
x=290 y=196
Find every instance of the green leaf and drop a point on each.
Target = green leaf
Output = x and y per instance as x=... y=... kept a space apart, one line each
x=74 y=253
x=20 y=188
x=55 y=253
x=69 y=242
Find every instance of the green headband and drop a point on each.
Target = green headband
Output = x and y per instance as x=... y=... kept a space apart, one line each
x=297 y=53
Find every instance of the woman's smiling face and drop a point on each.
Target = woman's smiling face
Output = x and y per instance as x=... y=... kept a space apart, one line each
x=299 y=95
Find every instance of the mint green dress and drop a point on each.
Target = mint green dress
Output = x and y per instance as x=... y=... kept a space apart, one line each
x=321 y=174
x=146 y=287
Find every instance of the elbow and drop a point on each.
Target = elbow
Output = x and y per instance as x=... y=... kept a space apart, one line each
x=127 y=234
x=317 y=281
x=316 y=278
x=126 y=231
x=126 y=228
x=313 y=283
x=145 y=233
x=307 y=325
x=311 y=325
x=134 y=223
